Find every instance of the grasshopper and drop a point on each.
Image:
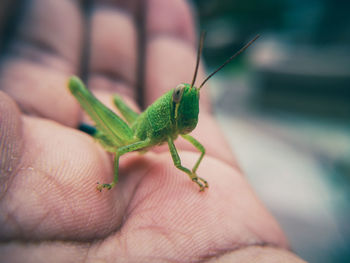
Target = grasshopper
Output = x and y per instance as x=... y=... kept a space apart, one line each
x=173 y=114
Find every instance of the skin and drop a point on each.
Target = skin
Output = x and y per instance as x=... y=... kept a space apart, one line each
x=48 y=209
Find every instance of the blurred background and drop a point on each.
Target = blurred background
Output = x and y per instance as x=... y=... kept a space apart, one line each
x=285 y=108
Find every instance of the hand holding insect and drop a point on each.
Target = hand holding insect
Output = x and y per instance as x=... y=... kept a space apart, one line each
x=48 y=168
x=173 y=114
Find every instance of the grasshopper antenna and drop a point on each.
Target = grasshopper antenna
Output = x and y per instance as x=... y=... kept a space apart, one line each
x=199 y=52
x=229 y=60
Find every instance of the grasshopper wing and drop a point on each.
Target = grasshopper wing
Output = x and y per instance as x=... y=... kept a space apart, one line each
x=112 y=130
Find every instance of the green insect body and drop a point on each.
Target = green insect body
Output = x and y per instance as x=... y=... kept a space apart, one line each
x=173 y=114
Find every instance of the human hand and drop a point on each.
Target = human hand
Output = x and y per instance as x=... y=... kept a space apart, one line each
x=50 y=209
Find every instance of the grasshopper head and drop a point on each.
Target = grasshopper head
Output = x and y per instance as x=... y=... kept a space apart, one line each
x=186 y=107
x=185 y=97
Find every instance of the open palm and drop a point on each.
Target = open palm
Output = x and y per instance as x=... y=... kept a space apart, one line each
x=50 y=208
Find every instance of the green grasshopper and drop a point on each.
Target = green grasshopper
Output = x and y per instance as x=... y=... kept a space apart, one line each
x=173 y=114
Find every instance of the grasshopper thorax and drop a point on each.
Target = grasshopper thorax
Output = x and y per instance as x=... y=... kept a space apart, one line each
x=185 y=100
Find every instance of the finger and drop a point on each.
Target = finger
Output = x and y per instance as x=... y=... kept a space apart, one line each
x=8 y=10
x=171 y=48
x=113 y=49
x=171 y=57
x=78 y=253
x=49 y=177
x=40 y=252
x=11 y=141
x=45 y=51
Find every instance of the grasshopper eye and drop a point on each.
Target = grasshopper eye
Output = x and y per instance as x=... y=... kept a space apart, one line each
x=177 y=94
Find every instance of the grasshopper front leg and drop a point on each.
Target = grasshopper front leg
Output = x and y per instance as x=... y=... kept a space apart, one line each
x=120 y=151
x=192 y=174
x=199 y=146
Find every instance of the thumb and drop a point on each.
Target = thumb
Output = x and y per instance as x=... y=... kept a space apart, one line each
x=11 y=142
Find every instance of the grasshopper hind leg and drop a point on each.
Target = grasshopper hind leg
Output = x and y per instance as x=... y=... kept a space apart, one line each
x=129 y=115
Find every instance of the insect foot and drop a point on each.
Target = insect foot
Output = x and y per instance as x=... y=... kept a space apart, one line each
x=201 y=183
x=101 y=186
